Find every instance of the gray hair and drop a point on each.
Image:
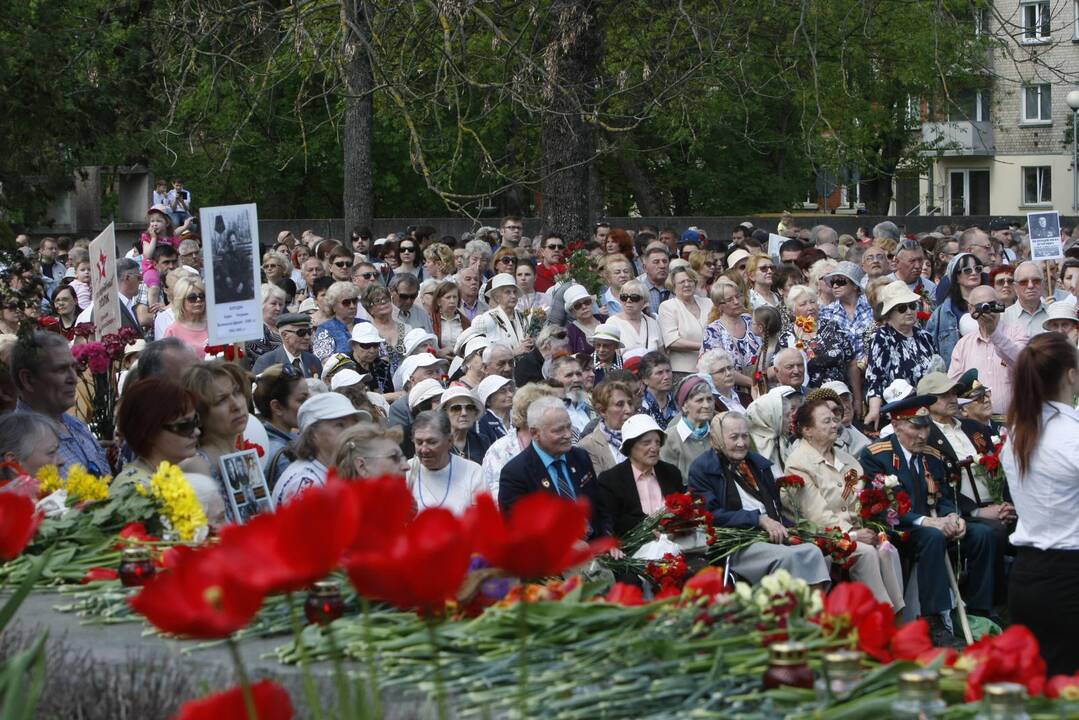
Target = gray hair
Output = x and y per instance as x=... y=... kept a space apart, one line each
x=541 y=407
x=634 y=287
x=489 y=351
x=823 y=235
x=403 y=279
x=29 y=355
x=435 y=420
x=476 y=247
x=152 y=358
x=281 y=258
x=546 y=334
x=784 y=351
x=20 y=433
x=796 y=293
x=887 y=230
x=710 y=358
x=339 y=291
x=269 y=290
x=125 y=266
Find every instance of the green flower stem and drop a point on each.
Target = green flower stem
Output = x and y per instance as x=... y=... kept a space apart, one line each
x=440 y=685
x=522 y=659
x=309 y=687
x=245 y=682
x=373 y=690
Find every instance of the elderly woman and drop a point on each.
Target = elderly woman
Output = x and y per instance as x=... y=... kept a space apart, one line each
x=730 y=329
x=447 y=319
x=437 y=262
x=964 y=272
x=504 y=323
x=28 y=442
x=719 y=366
x=899 y=348
x=616 y=271
x=829 y=349
x=615 y=403
x=815 y=279
x=738 y=488
x=366 y=450
x=322 y=418
x=436 y=476
x=189 y=305
x=273 y=304
x=279 y=393
x=376 y=300
x=276 y=266
x=462 y=409
x=503 y=261
x=637 y=330
x=517 y=438
x=682 y=320
x=850 y=310
x=761 y=270
x=582 y=322
x=770 y=417
x=829 y=498
x=635 y=487
x=687 y=437
x=495 y=394
x=335 y=335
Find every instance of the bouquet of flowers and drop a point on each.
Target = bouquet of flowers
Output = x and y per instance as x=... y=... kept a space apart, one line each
x=882 y=502
x=102 y=361
x=833 y=543
x=581 y=269
x=789 y=486
x=668 y=573
x=181 y=513
x=990 y=469
x=535 y=319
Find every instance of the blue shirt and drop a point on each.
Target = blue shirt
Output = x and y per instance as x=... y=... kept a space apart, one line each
x=863 y=319
x=656 y=295
x=77 y=445
x=549 y=462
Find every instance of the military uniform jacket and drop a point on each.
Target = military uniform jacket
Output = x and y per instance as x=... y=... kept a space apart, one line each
x=887 y=458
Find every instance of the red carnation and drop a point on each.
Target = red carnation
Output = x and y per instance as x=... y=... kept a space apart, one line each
x=271 y=703
x=1066 y=686
x=708 y=583
x=135 y=532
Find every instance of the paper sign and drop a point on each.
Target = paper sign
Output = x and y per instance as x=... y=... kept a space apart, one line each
x=105 y=295
x=774 y=243
x=230 y=256
x=1045 y=242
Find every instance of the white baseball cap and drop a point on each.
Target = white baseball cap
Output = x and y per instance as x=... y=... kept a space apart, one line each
x=489 y=386
x=366 y=333
x=410 y=364
x=347 y=378
x=897 y=390
x=424 y=390
x=324 y=406
x=838 y=387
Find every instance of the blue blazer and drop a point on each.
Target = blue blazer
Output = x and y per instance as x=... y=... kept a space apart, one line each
x=886 y=457
x=526 y=474
x=708 y=480
x=490 y=427
x=311 y=366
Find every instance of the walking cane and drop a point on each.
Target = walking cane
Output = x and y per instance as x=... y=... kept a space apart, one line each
x=964 y=622
x=967 y=465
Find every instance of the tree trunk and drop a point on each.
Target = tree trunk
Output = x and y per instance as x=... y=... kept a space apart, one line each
x=569 y=139
x=358 y=197
x=642 y=187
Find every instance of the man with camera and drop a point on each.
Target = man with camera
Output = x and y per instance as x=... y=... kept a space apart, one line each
x=992 y=350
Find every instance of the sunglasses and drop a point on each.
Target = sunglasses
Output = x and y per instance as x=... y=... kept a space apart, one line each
x=343 y=264
x=460 y=408
x=300 y=332
x=766 y=268
x=184 y=428
x=556 y=247
x=906 y=307
x=369 y=346
x=1029 y=282
x=1004 y=281
x=348 y=302
x=560 y=335
x=407 y=296
x=407 y=249
x=270 y=266
x=838 y=282
x=508 y=260
x=976 y=270
x=368 y=275
x=631 y=298
x=196 y=297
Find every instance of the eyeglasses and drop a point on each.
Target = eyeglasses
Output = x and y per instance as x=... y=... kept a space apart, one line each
x=906 y=307
x=766 y=268
x=396 y=457
x=976 y=270
x=875 y=258
x=269 y=266
x=630 y=298
x=838 y=282
x=184 y=428
x=196 y=297
x=407 y=296
x=983 y=247
x=348 y=302
x=299 y=332
x=556 y=247
x=461 y=408
x=1029 y=282
x=342 y=264
x=368 y=275
x=1004 y=281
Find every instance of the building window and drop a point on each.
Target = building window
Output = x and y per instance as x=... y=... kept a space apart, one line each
x=969 y=105
x=1036 y=17
x=1037 y=186
x=1037 y=104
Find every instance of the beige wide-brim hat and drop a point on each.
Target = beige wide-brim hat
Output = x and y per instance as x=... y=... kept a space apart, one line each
x=1060 y=310
x=895 y=293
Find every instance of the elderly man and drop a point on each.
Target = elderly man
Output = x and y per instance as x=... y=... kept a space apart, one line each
x=790 y=368
x=498 y=360
x=850 y=438
x=414 y=370
x=934 y=521
x=909 y=258
x=1029 y=308
x=566 y=371
x=404 y=289
x=993 y=350
x=45 y=375
x=874 y=264
x=825 y=238
x=168 y=357
x=551 y=341
x=468 y=283
x=739 y=490
x=656 y=268
x=295 y=348
x=550 y=463
x=658 y=378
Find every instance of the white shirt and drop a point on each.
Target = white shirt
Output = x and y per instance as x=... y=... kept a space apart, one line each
x=501 y=452
x=163 y=321
x=1046 y=497
x=297 y=477
x=964 y=448
x=649 y=337
x=749 y=502
x=454 y=487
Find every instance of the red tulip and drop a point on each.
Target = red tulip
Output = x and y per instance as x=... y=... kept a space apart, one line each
x=386 y=507
x=625 y=594
x=912 y=641
x=543 y=536
x=421 y=568
x=1012 y=656
x=1065 y=686
x=709 y=583
x=135 y=532
x=18 y=523
x=851 y=606
x=99 y=573
x=202 y=597
x=271 y=703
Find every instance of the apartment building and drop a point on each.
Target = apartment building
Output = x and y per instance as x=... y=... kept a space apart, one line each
x=1009 y=144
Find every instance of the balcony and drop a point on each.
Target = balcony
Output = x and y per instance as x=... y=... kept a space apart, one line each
x=960 y=138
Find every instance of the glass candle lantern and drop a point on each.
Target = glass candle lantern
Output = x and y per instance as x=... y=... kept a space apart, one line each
x=136 y=567
x=787 y=666
x=324 y=602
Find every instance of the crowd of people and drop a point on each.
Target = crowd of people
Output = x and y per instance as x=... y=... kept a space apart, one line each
x=484 y=364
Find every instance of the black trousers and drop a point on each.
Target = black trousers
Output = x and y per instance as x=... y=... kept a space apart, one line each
x=1044 y=595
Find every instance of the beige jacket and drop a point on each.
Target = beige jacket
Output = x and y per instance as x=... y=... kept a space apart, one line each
x=822 y=502
x=599 y=450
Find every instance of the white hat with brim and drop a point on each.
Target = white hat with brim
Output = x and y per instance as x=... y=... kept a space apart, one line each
x=459 y=391
x=424 y=390
x=324 y=406
x=637 y=426
x=308 y=306
x=475 y=345
x=573 y=295
x=345 y=378
x=895 y=293
x=410 y=364
x=1060 y=310
x=135 y=347
x=489 y=386
x=897 y=390
x=459 y=343
x=736 y=257
x=608 y=332
x=500 y=280
x=415 y=337
x=365 y=333
x=838 y=387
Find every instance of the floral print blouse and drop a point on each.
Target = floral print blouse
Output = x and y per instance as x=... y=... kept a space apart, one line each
x=828 y=353
x=744 y=350
x=893 y=355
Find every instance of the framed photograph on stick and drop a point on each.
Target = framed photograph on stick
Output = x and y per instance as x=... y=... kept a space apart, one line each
x=1045 y=242
x=245 y=485
x=230 y=255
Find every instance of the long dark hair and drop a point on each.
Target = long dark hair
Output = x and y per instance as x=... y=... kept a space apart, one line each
x=955 y=293
x=1041 y=368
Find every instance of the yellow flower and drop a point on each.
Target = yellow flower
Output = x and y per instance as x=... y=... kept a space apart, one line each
x=81 y=485
x=49 y=477
x=180 y=507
